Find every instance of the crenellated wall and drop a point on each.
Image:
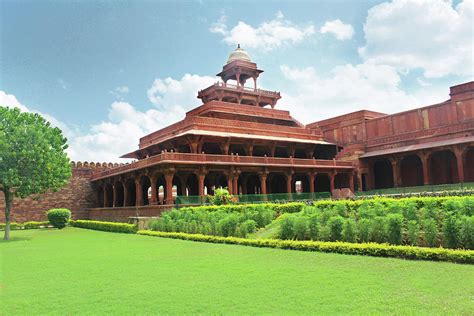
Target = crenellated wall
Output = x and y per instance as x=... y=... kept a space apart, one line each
x=77 y=195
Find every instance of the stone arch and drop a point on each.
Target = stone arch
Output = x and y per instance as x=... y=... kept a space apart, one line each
x=443 y=167
x=303 y=180
x=341 y=181
x=160 y=188
x=411 y=171
x=277 y=183
x=131 y=192
x=469 y=165
x=253 y=184
x=383 y=174
x=192 y=185
x=146 y=190
x=109 y=195
x=322 y=183
x=119 y=194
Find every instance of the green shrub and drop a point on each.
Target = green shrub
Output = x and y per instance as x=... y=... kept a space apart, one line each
x=314 y=227
x=430 y=232
x=59 y=217
x=228 y=225
x=394 y=228
x=335 y=224
x=287 y=227
x=364 y=230
x=247 y=227
x=377 y=231
x=106 y=226
x=451 y=231
x=413 y=232
x=466 y=232
x=35 y=225
x=349 y=233
x=301 y=227
x=221 y=197
x=370 y=249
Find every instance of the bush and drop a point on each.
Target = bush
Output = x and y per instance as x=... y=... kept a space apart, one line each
x=377 y=250
x=228 y=225
x=451 y=232
x=314 y=227
x=377 y=230
x=335 y=224
x=349 y=233
x=35 y=225
x=413 y=232
x=221 y=197
x=466 y=232
x=106 y=226
x=431 y=232
x=247 y=227
x=59 y=217
x=301 y=228
x=364 y=230
x=287 y=227
x=394 y=228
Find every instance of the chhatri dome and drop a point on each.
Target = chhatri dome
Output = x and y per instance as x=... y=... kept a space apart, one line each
x=239 y=54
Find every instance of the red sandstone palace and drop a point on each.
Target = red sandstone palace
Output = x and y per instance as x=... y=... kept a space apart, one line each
x=237 y=139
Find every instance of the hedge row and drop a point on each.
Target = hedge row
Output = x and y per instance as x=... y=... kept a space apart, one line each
x=105 y=226
x=280 y=208
x=26 y=225
x=368 y=249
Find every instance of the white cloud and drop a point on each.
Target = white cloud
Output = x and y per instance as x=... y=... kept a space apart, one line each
x=267 y=36
x=426 y=34
x=171 y=92
x=9 y=100
x=119 y=92
x=339 y=29
x=349 y=88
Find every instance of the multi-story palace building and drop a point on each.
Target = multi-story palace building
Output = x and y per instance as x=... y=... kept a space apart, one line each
x=237 y=139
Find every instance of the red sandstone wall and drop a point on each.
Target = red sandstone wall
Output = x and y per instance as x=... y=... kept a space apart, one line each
x=122 y=214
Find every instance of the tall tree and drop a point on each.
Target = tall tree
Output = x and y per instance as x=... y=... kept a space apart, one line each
x=32 y=157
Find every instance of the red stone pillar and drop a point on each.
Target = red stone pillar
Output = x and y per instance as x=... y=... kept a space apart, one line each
x=263 y=182
x=230 y=182
x=458 y=152
x=115 y=195
x=125 y=194
x=359 y=181
x=201 y=177
x=311 y=182
x=106 y=200
x=351 y=182
x=289 y=178
x=425 y=164
x=169 y=187
x=235 y=184
x=138 y=193
x=154 y=196
x=396 y=172
x=332 y=176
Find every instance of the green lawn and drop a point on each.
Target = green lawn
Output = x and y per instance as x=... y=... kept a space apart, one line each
x=76 y=271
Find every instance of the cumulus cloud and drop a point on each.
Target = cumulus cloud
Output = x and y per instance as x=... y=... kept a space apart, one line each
x=339 y=29
x=183 y=92
x=348 y=88
x=120 y=91
x=267 y=36
x=431 y=35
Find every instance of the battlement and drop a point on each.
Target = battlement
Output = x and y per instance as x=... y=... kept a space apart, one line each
x=94 y=165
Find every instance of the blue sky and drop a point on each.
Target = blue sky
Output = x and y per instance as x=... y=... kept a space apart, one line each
x=104 y=69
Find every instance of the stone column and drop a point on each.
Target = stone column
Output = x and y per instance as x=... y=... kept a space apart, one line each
x=426 y=169
x=312 y=175
x=263 y=182
x=106 y=200
x=125 y=193
x=229 y=181
x=351 y=182
x=359 y=181
x=235 y=184
x=458 y=152
x=138 y=193
x=332 y=176
x=289 y=178
x=201 y=177
x=396 y=172
x=115 y=195
x=169 y=187
x=154 y=197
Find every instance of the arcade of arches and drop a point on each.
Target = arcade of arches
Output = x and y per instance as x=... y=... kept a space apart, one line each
x=162 y=187
x=440 y=166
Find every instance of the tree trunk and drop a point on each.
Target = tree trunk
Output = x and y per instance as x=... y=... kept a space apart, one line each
x=8 y=206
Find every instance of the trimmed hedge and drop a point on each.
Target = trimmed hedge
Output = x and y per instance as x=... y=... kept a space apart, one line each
x=59 y=217
x=367 y=249
x=26 y=225
x=293 y=207
x=105 y=226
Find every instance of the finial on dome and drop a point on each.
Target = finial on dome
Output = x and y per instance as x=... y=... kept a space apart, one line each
x=238 y=45
x=239 y=54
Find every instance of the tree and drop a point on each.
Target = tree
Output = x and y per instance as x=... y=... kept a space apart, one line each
x=32 y=157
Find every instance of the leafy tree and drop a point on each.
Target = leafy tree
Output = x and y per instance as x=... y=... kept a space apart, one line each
x=32 y=157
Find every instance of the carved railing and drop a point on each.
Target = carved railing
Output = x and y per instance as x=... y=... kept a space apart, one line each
x=187 y=158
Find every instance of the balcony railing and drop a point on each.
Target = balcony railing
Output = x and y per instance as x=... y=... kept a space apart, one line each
x=187 y=158
x=235 y=87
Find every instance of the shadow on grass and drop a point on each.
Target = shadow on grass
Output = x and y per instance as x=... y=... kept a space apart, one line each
x=13 y=239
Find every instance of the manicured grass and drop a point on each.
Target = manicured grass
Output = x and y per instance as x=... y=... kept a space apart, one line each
x=77 y=271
